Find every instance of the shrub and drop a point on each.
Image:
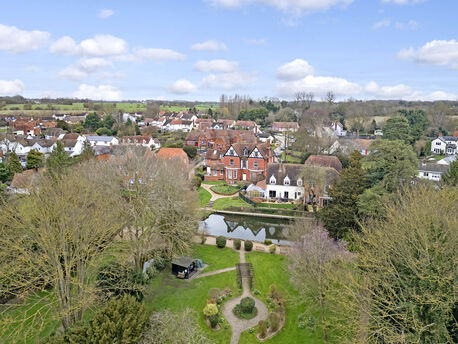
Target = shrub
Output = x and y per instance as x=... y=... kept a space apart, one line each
x=267 y=242
x=196 y=182
x=213 y=320
x=151 y=272
x=115 y=279
x=274 y=321
x=262 y=328
x=221 y=242
x=237 y=244
x=191 y=151
x=210 y=309
x=248 y=245
x=160 y=263
x=247 y=305
x=272 y=248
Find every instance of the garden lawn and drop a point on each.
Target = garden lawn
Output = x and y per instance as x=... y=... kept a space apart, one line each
x=216 y=258
x=225 y=189
x=204 y=197
x=222 y=203
x=273 y=269
x=276 y=205
x=169 y=292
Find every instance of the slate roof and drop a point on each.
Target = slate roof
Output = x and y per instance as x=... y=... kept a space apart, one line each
x=100 y=138
x=425 y=167
x=448 y=138
x=280 y=171
x=183 y=261
x=324 y=161
x=240 y=149
x=291 y=125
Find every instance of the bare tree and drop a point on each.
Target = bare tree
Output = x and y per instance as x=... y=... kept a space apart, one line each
x=57 y=233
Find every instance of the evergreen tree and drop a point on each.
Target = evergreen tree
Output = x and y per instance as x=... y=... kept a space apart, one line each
x=87 y=153
x=397 y=128
x=5 y=172
x=92 y=122
x=34 y=159
x=14 y=163
x=58 y=161
x=341 y=214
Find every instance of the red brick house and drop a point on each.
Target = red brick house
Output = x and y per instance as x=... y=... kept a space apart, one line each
x=218 y=138
x=215 y=166
x=246 y=161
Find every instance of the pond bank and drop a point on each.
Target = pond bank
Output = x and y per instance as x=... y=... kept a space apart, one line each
x=273 y=216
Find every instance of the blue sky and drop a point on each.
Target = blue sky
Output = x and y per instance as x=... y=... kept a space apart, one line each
x=197 y=50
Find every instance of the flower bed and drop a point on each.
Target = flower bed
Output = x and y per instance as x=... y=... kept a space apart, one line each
x=227 y=190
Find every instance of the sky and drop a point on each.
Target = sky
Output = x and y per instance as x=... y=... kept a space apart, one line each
x=200 y=49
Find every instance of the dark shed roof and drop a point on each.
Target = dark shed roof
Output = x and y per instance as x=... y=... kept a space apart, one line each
x=183 y=261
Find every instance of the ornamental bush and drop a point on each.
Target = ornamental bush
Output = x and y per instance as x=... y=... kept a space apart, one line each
x=274 y=321
x=267 y=242
x=272 y=248
x=247 y=305
x=210 y=309
x=213 y=320
x=248 y=245
x=160 y=263
x=262 y=328
x=221 y=242
x=237 y=244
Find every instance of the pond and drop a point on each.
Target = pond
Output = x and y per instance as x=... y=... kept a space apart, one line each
x=246 y=228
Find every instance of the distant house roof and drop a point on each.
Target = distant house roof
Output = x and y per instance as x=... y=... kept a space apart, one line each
x=288 y=125
x=324 y=161
x=172 y=153
x=100 y=150
x=100 y=138
x=440 y=168
x=25 y=179
x=245 y=124
x=448 y=138
x=71 y=136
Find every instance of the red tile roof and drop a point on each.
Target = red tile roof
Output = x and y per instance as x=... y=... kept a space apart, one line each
x=172 y=153
x=324 y=161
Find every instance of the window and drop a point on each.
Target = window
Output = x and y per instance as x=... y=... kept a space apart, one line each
x=245 y=151
x=286 y=181
x=272 y=193
x=255 y=164
x=299 y=182
x=425 y=174
x=235 y=174
x=214 y=172
x=243 y=163
x=231 y=162
x=272 y=180
x=229 y=174
x=438 y=143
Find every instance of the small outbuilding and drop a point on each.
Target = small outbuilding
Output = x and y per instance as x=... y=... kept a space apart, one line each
x=184 y=267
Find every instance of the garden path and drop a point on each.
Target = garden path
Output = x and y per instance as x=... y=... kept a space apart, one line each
x=215 y=196
x=216 y=272
x=240 y=325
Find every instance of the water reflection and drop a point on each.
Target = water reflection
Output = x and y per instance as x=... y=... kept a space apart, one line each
x=247 y=228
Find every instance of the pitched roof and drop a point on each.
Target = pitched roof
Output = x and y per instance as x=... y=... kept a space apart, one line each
x=24 y=180
x=213 y=154
x=324 y=161
x=170 y=153
x=193 y=135
x=245 y=124
x=448 y=138
x=69 y=143
x=433 y=167
x=281 y=171
x=100 y=138
x=240 y=149
x=71 y=136
x=293 y=125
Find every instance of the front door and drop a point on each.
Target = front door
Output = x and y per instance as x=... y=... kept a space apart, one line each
x=286 y=194
x=244 y=176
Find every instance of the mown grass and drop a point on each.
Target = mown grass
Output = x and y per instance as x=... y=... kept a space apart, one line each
x=222 y=203
x=204 y=197
x=273 y=270
x=169 y=292
x=216 y=258
x=276 y=205
x=216 y=182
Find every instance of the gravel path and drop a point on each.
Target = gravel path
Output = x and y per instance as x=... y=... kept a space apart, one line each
x=214 y=195
x=216 y=272
x=240 y=325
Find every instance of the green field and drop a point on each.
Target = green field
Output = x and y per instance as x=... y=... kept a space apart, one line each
x=216 y=258
x=225 y=189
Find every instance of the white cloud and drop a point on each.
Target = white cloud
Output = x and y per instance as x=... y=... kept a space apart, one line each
x=101 y=92
x=295 y=6
x=228 y=81
x=105 y=13
x=260 y=41
x=11 y=87
x=294 y=70
x=216 y=66
x=381 y=23
x=182 y=86
x=210 y=45
x=319 y=86
x=19 y=41
x=84 y=67
x=440 y=95
x=99 y=45
x=159 y=55
x=402 y=2
x=405 y=92
x=439 y=52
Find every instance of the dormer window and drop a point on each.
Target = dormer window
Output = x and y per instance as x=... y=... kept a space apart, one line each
x=286 y=181
x=272 y=180
x=245 y=151
x=299 y=182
